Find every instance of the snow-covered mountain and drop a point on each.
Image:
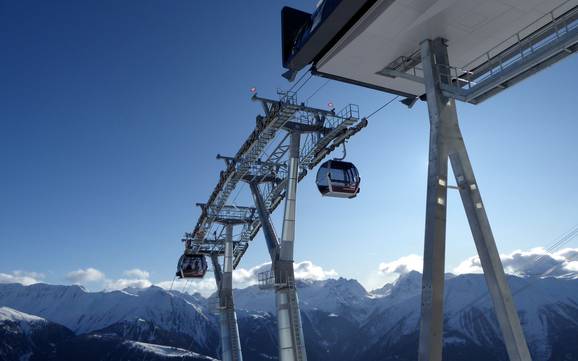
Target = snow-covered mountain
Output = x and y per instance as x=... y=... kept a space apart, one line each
x=341 y=320
x=546 y=307
x=149 y=315
x=23 y=335
x=83 y=312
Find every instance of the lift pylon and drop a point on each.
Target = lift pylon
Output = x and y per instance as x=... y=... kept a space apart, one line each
x=229 y=329
x=272 y=162
x=446 y=142
x=289 y=325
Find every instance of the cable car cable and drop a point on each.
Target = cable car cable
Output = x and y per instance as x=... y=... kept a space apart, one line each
x=299 y=80
x=316 y=91
x=381 y=107
x=305 y=82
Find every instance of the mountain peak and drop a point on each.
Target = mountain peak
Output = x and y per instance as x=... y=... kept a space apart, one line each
x=10 y=314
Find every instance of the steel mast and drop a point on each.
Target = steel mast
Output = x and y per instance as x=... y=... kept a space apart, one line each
x=446 y=141
x=229 y=329
x=282 y=277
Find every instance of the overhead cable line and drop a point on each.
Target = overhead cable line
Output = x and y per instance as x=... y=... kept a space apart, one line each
x=299 y=80
x=303 y=84
x=382 y=107
x=316 y=91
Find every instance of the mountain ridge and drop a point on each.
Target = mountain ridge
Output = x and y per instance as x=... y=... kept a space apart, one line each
x=341 y=320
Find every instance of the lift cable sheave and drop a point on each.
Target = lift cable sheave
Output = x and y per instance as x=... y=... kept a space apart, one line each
x=322 y=132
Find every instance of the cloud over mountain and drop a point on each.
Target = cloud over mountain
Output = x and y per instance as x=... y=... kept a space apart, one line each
x=534 y=262
x=305 y=270
x=402 y=265
x=25 y=278
x=245 y=277
x=136 y=273
x=123 y=283
x=82 y=276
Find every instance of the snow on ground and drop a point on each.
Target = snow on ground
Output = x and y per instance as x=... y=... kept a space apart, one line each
x=10 y=314
x=24 y=320
x=166 y=351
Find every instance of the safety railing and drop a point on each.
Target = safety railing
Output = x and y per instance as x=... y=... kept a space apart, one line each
x=527 y=48
x=267 y=280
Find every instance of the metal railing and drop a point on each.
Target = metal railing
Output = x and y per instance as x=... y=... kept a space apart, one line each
x=268 y=280
x=529 y=47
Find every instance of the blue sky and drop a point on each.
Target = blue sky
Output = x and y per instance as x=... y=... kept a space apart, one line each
x=111 y=114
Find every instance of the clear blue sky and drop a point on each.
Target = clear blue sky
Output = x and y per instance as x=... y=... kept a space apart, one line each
x=112 y=112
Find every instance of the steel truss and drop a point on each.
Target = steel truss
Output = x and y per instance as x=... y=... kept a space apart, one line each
x=326 y=130
x=299 y=138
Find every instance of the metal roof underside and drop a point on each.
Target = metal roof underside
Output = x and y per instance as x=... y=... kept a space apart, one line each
x=392 y=29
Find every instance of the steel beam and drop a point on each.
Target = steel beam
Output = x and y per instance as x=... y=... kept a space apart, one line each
x=446 y=142
x=289 y=325
x=504 y=307
x=441 y=111
x=290 y=331
x=266 y=224
x=230 y=342
x=288 y=233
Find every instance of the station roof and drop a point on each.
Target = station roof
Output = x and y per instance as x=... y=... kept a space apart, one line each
x=391 y=29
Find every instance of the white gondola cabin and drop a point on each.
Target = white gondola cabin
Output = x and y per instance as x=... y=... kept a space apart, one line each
x=336 y=178
x=192 y=266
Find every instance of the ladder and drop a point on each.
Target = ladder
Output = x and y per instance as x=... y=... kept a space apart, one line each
x=234 y=332
x=295 y=321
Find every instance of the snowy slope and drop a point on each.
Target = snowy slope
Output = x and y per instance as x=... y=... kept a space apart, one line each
x=544 y=306
x=23 y=336
x=82 y=311
x=166 y=351
x=330 y=295
x=26 y=323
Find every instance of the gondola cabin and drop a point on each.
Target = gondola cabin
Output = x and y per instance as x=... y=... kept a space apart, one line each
x=192 y=266
x=336 y=178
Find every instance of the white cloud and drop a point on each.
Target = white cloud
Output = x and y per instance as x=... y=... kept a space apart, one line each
x=137 y=273
x=82 y=276
x=402 y=265
x=388 y=272
x=25 y=278
x=247 y=277
x=243 y=277
x=123 y=283
x=134 y=278
x=534 y=262
x=306 y=270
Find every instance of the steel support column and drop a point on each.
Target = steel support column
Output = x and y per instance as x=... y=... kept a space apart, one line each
x=266 y=224
x=230 y=342
x=289 y=326
x=290 y=331
x=441 y=111
x=446 y=141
